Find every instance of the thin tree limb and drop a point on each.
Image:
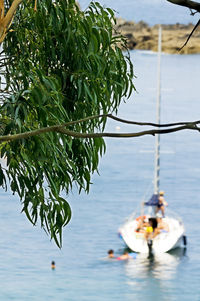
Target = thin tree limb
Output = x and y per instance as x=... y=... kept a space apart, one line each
x=8 y=18
x=61 y=129
x=150 y=123
x=6 y=21
x=35 y=6
x=1 y=9
x=125 y=135
x=187 y=3
x=198 y=23
x=192 y=5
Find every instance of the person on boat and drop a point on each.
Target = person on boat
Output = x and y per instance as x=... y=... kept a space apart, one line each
x=111 y=254
x=161 y=203
x=142 y=223
x=152 y=229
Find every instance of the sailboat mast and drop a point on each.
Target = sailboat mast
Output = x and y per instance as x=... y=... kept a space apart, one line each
x=157 y=137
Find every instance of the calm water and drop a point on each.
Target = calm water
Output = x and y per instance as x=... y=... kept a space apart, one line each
x=152 y=12
x=126 y=171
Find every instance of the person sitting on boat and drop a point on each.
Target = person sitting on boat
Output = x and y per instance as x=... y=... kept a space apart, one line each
x=156 y=226
x=142 y=223
x=152 y=229
x=161 y=203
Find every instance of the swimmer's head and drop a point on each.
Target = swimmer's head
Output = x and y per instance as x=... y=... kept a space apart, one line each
x=53 y=265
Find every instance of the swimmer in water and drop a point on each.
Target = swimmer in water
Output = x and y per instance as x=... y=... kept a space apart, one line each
x=53 y=265
x=111 y=254
x=124 y=256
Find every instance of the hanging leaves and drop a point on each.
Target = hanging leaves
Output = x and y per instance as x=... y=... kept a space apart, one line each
x=61 y=64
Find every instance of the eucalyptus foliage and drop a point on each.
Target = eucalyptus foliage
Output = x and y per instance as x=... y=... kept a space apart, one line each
x=60 y=65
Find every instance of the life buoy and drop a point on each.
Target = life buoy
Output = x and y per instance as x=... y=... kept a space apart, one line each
x=141 y=217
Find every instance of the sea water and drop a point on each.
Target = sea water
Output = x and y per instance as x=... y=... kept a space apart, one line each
x=126 y=178
x=152 y=12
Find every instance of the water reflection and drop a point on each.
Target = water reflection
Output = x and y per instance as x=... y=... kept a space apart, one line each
x=154 y=275
x=161 y=266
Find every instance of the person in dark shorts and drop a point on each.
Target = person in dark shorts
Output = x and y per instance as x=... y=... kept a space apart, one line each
x=161 y=203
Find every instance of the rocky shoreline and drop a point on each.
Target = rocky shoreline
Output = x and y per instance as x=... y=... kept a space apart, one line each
x=142 y=36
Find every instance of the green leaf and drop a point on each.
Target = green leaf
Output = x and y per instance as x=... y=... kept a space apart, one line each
x=2 y=177
x=61 y=65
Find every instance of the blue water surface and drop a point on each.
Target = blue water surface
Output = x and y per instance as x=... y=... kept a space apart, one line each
x=152 y=12
x=126 y=175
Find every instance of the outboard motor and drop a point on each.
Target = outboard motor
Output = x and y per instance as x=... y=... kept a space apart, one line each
x=150 y=244
x=184 y=240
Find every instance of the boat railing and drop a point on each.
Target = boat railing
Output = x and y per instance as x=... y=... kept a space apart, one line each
x=149 y=211
x=173 y=214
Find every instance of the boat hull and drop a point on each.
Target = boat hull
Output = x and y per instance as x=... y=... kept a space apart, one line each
x=163 y=242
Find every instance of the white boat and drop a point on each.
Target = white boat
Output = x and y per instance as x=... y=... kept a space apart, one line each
x=163 y=242
x=166 y=240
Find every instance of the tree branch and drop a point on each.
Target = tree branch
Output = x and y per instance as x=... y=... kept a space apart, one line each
x=6 y=21
x=62 y=129
x=1 y=9
x=125 y=135
x=195 y=27
x=150 y=123
x=187 y=3
x=191 y=5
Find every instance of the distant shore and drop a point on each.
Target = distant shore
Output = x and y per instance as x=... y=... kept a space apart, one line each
x=142 y=36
